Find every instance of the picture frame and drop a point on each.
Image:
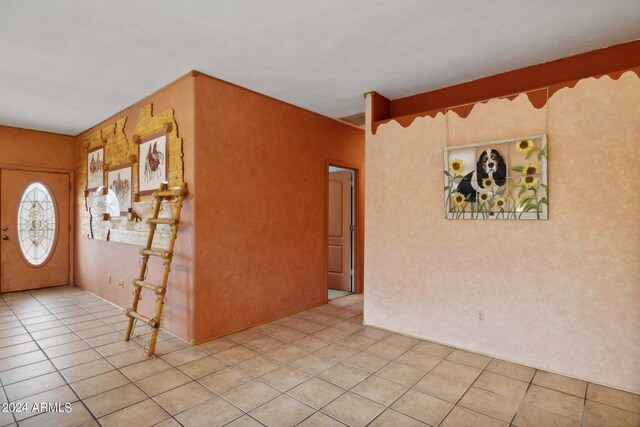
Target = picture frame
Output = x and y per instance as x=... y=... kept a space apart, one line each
x=120 y=189
x=504 y=179
x=153 y=162
x=95 y=168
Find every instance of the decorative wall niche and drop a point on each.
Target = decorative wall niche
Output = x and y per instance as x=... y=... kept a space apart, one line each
x=121 y=155
x=504 y=179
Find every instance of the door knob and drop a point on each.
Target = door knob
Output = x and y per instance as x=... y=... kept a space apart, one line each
x=5 y=237
x=5 y=228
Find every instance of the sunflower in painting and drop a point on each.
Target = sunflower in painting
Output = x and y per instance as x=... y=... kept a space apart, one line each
x=525 y=145
x=484 y=197
x=488 y=182
x=458 y=198
x=529 y=181
x=531 y=169
x=500 y=203
x=456 y=166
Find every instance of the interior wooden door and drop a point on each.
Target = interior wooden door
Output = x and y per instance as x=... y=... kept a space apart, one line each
x=35 y=229
x=339 y=201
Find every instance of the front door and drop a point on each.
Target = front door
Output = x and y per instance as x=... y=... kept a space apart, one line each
x=339 y=274
x=35 y=229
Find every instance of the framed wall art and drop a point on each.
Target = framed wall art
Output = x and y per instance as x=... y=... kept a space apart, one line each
x=504 y=179
x=95 y=168
x=152 y=163
x=120 y=183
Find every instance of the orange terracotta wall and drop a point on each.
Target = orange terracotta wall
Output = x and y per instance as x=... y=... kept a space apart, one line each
x=30 y=148
x=97 y=260
x=261 y=177
x=561 y=294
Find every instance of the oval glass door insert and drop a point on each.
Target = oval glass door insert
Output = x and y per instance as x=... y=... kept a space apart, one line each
x=36 y=224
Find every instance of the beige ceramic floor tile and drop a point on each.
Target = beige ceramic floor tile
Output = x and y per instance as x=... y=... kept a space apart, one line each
x=145 y=413
x=224 y=380
x=87 y=370
x=316 y=392
x=74 y=359
x=401 y=374
x=385 y=350
x=460 y=416
x=366 y=361
x=353 y=409
x=19 y=390
x=375 y=333
x=184 y=397
x=423 y=407
x=320 y=420
x=343 y=375
x=185 y=355
x=597 y=414
x=162 y=382
x=310 y=343
x=217 y=345
x=205 y=366
x=336 y=352
x=245 y=335
x=560 y=383
x=456 y=371
x=236 y=354
x=211 y=413
x=25 y=372
x=442 y=387
x=64 y=349
x=251 y=395
x=145 y=369
x=356 y=341
x=532 y=416
x=114 y=400
x=469 y=358
x=513 y=370
x=99 y=384
x=264 y=344
x=285 y=378
x=288 y=334
x=418 y=360
x=505 y=386
x=77 y=416
x=313 y=364
x=16 y=349
x=244 y=421
x=613 y=397
x=282 y=411
x=398 y=340
x=433 y=349
x=491 y=404
x=380 y=390
x=21 y=360
x=287 y=353
x=555 y=401
x=395 y=418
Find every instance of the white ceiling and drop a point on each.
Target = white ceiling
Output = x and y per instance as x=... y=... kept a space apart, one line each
x=66 y=65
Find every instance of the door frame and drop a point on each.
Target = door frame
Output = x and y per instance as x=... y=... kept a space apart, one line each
x=72 y=204
x=358 y=233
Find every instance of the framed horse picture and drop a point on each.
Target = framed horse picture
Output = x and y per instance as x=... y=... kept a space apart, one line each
x=95 y=168
x=119 y=183
x=152 y=163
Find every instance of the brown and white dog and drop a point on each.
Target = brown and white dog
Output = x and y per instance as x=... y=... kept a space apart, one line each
x=490 y=165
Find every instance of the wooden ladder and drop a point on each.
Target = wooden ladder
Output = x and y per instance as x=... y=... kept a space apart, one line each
x=175 y=194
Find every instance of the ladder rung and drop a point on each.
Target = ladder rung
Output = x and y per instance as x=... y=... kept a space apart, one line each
x=155 y=288
x=153 y=323
x=165 y=194
x=170 y=221
x=156 y=252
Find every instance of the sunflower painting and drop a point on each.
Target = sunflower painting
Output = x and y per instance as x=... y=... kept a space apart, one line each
x=504 y=179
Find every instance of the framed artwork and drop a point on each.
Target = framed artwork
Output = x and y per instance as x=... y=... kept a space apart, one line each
x=152 y=163
x=120 y=191
x=504 y=179
x=95 y=168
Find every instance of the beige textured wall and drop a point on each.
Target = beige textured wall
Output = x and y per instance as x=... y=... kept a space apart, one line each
x=562 y=294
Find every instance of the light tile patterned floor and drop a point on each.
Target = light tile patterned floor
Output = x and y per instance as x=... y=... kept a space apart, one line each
x=316 y=368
